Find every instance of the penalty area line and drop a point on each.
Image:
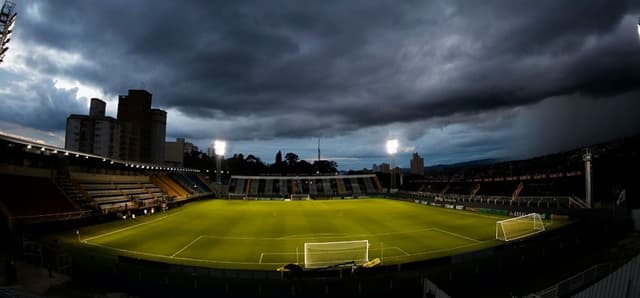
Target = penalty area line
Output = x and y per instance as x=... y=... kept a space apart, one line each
x=187 y=246
x=402 y=250
x=127 y=228
x=178 y=258
x=457 y=235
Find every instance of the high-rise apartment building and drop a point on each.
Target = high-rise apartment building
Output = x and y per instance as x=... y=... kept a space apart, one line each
x=94 y=133
x=142 y=129
x=417 y=164
x=138 y=134
x=158 y=134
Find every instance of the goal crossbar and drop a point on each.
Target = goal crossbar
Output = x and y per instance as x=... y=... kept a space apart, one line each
x=323 y=254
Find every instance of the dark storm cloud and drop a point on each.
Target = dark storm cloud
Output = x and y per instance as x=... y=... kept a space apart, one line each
x=39 y=104
x=268 y=69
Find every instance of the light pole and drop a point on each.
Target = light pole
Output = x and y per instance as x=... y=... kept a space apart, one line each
x=392 y=148
x=587 y=157
x=219 y=147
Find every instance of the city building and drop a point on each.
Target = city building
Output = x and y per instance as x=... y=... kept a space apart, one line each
x=174 y=153
x=189 y=147
x=142 y=129
x=94 y=133
x=158 y=134
x=417 y=164
x=383 y=168
x=138 y=133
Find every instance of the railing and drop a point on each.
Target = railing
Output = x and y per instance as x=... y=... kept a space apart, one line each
x=576 y=282
x=50 y=217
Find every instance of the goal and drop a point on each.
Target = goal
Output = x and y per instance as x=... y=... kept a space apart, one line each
x=325 y=254
x=236 y=196
x=300 y=197
x=519 y=227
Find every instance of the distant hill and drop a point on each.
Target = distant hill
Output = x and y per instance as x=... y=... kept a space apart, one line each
x=466 y=164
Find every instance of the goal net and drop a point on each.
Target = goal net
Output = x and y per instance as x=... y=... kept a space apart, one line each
x=519 y=227
x=326 y=254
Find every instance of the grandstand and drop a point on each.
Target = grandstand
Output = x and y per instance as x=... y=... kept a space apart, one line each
x=316 y=187
x=555 y=190
x=45 y=183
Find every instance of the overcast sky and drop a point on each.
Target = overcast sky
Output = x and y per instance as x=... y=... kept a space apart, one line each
x=452 y=80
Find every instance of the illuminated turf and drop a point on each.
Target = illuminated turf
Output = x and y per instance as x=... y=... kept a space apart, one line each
x=267 y=234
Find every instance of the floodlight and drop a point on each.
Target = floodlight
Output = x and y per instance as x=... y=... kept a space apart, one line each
x=42 y=149
x=392 y=146
x=11 y=22
x=219 y=147
x=28 y=146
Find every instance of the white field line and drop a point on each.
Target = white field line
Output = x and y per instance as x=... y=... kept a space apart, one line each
x=186 y=246
x=401 y=250
x=260 y=261
x=127 y=228
x=457 y=235
x=470 y=213
x=177 y=258
x=426 y=252
x=322 y=237
x=303 y=236
x=264 y=263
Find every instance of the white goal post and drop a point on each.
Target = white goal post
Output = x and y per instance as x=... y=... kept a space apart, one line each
x=519 y=227
x=324 y=254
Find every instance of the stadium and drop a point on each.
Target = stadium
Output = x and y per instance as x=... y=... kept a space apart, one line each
x=170 y=231
x=527 y=115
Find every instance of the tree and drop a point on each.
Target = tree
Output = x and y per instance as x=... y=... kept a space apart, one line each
x=325 y=166
x=278 y=157
x=251 y=158
x=292 y=159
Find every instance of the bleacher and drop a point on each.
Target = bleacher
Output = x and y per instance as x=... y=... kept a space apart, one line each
x=117 y=193
x=170 y=187
x=35 y=199
x=525 y=191
x=314 y=186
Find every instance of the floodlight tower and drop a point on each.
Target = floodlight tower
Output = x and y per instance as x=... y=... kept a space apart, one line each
x=219 y=147
x=7 y=20
x=392 y=149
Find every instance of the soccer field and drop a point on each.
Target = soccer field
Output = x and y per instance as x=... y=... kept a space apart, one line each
x=269 y=234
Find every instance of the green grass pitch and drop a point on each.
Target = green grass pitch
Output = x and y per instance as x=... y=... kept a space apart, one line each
x=268 y=234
